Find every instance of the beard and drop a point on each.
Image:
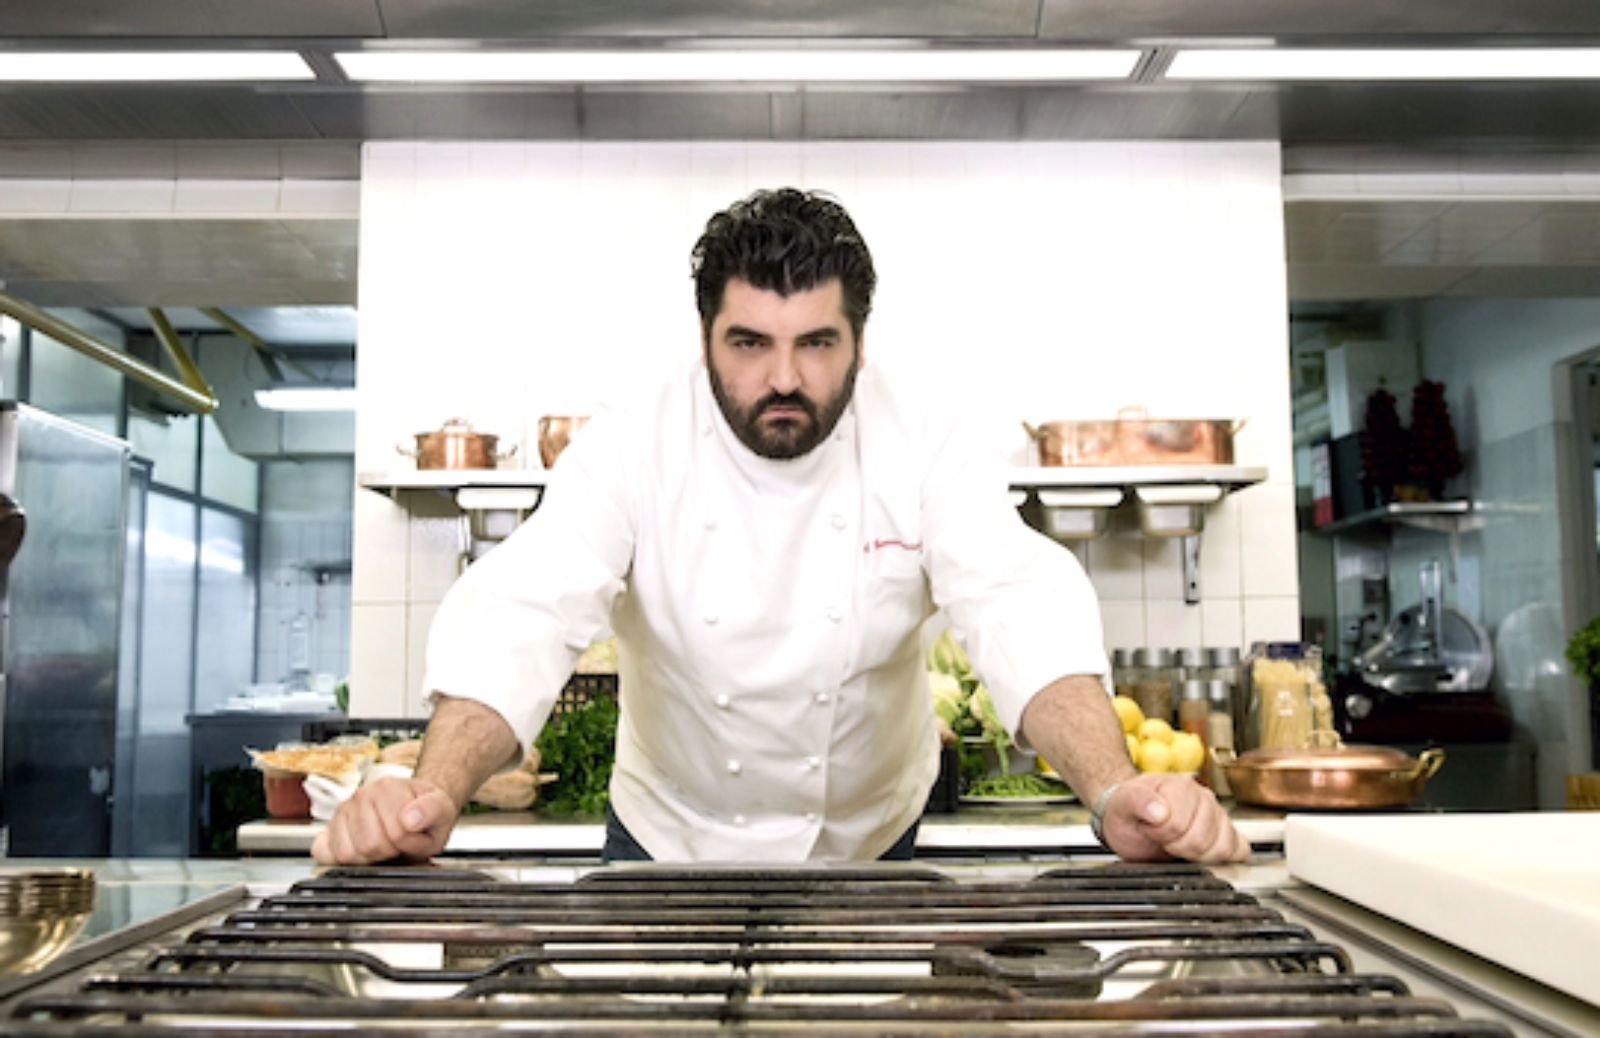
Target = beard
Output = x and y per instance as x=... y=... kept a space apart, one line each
x=787 y=438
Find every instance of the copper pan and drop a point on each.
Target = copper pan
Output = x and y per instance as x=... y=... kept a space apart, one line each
x=1336 y=778
x=1134 y=438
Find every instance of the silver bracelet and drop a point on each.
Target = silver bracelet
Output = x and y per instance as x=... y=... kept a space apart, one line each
x=1097 y=812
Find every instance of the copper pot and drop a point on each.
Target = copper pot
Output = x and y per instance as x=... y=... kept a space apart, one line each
x=555 y=432
x=1133 y=438
x=1340 y=777
x=456 y=446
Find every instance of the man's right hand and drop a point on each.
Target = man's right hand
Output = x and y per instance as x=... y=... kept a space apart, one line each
x=391 y=818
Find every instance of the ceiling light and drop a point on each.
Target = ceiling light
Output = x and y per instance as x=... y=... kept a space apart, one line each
x=1288 y=63
x=307 y=398
x=151 y=66
x=736 y=66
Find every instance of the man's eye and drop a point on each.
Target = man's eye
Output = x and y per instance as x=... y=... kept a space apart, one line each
x=746 y=344
x=816 y=344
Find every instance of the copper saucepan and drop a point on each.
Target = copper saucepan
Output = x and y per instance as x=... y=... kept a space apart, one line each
x=1341 y=777
x=456 y=446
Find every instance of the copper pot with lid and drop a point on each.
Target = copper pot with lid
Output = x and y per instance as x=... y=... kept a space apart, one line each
x=456 y=446
x=1329 y=778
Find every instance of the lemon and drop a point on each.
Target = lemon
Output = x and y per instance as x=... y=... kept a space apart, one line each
x=1154 y=755
x=1156 y=729
x=1044 y=766
x=1133 y=747
x=1128 y=713
x=1188 y=752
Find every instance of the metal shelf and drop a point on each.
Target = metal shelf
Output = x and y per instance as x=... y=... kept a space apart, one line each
x=1450 y=517
x=1231 y=477
x=450 y=480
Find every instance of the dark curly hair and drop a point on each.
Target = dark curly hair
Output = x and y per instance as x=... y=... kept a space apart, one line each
x=783 y=241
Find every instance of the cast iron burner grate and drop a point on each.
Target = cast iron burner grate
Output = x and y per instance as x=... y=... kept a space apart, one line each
x=659 y=951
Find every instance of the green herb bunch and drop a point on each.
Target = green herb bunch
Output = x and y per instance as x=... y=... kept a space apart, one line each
x=580 y=747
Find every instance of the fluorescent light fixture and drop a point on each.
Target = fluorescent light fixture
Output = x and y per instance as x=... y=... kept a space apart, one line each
x=307 y=398
x=151 y=66
x=1290 y=63
x=737 y=66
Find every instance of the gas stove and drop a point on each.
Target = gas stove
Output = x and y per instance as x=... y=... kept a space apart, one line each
x=659 y=950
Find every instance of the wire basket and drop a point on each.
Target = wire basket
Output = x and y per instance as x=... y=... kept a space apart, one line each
x=581 y=690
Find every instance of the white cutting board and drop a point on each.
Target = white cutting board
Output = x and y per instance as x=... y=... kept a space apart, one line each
x=1522 y=890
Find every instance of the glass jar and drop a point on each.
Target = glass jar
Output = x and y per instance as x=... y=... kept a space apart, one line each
x=1122 y=674
x=1222 y=663
x=1284 y=677
x=1219 y=732
x=1153 y=679
x=1190 y=662
x=1193 y=707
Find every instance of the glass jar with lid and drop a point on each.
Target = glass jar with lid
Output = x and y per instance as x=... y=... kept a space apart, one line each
x=1122 y=673
x=1154 y=678
x=1222 y=663
x=1190 y=662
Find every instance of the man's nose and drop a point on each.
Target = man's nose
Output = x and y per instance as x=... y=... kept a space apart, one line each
x=784 y=378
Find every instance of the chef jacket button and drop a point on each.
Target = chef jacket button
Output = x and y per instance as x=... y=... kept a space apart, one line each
x=711 y=522
x=813 y=763
x=835 y=615
x=811 y=816
x=711 y=618
x=738 y=819
x=722 y=701
x=734 y=767
x=837 y=520
x=823 y=698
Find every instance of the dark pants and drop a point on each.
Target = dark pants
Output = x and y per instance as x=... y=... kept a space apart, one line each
x=621 y=846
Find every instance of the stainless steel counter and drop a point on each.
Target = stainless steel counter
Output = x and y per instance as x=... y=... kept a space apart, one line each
x=976 y=830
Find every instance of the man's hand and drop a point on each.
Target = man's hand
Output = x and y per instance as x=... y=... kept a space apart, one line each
x=391 y=818
x=1154 y=817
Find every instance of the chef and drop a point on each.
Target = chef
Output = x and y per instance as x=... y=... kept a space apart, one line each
x=767 y=534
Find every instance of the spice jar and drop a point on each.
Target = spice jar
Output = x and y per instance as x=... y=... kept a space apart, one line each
x=1154 y=677
x=1219 y=732
x=1222 y=664
x=1283 y=679
x=1190 y=663
x=1122 y=674
x=1193 y=707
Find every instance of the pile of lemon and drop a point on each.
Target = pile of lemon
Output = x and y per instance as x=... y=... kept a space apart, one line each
x=1153 y=745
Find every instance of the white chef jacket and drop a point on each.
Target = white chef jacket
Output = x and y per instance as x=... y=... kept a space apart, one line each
x=775 y=702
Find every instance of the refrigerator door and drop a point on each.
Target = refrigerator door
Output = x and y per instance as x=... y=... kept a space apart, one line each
x=59 y=649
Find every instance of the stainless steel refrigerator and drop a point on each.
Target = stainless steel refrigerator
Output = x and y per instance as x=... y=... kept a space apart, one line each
x=61 y=599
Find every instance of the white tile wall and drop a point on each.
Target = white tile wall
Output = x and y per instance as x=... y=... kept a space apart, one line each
x=1051 y=280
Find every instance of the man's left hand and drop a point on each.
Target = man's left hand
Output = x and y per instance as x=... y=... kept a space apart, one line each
x=1159 y=816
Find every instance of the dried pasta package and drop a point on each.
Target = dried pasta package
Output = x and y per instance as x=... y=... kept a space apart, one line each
x=1285 y=706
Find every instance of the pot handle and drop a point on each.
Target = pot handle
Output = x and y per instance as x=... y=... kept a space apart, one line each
x=1032 y=430
x=505 y=454
x=1222 y=756
x=1428 y=764
x=1238 y=425
x=409 y=452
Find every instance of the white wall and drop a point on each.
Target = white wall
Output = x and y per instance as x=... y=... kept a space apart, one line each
x=1048 y=280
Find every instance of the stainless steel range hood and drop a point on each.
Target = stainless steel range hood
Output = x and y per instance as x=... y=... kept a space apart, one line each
x=331 y=114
